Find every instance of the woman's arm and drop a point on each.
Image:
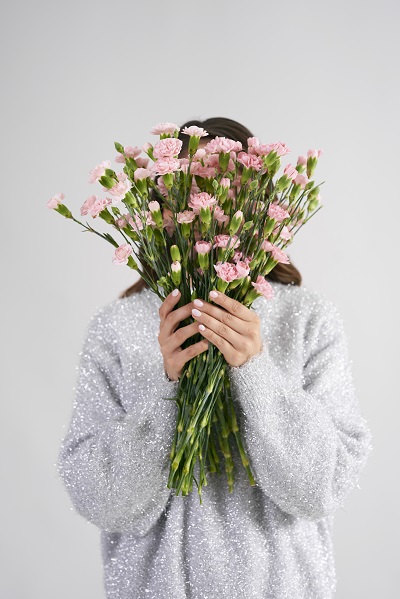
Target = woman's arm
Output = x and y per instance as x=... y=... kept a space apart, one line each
x=307 y=444
x=115 y=464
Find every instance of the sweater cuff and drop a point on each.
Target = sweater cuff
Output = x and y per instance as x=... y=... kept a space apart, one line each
x=255 y=381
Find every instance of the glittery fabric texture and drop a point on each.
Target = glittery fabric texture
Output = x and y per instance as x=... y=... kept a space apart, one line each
x=302 y=429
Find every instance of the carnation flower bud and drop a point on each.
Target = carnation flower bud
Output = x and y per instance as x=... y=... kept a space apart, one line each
x=176 y=273
x=205 y=215
x=154 y=208
x=63 y=210
x=313 y=204
x=235 y=223
x=175 y=253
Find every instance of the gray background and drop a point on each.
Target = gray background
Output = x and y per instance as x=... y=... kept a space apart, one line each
x=79 y=76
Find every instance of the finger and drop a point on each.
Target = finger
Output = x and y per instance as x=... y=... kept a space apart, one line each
x=168 y=304
x=221 y=329
x=229 y=352
x=190 y=352
x=172 y=320
x=181 y=335
x=231 y=305
x=233 y=322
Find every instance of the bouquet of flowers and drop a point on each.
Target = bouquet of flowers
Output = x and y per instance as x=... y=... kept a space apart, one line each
x=232 y=216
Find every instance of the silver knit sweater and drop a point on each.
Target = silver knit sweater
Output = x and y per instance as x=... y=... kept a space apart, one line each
x=302 y=429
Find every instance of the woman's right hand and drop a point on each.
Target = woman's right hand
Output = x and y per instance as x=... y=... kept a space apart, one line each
x=170 y=339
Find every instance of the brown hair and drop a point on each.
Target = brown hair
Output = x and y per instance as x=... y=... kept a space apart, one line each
x=222 y=127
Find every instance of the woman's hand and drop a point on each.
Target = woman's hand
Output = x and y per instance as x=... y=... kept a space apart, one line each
x=170 y=340
x=233 y=328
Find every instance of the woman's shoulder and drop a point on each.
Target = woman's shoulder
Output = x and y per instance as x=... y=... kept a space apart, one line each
x=302 y=300
x=134 y=310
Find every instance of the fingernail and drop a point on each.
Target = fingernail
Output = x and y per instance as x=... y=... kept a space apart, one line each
x=202 y=327
x=196 y=312
x=198 y=303
x=175 y=292
x=213 y=294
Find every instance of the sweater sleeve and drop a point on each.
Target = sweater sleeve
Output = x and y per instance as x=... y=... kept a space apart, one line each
x=307 y=443
x=115 y=463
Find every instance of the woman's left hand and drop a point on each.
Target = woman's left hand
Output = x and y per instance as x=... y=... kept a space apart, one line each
x=233 y=328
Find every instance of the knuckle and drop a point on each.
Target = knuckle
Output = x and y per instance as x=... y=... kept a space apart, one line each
x=237 y=359
x=246 y=345
x=180 y=335
x=226 y=317
x=253 y=334
x=235 y=307
x=191 y=351
x=223 y=330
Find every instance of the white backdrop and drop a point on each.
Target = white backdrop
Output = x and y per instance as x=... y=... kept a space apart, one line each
x=78 y=76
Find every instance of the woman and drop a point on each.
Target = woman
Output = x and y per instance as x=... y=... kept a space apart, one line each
x=307 y=441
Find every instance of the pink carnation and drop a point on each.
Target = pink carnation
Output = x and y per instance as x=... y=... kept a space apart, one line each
x=169 y=225
x=142 y=162
x=146 y=147
x=220 y=215
x=222 y=144
x=250 y=161
x=56 y=200
x=207 y=172
x=168 y=147
x=142 y=173
x=284 y=234
x=276 y=252
x=290 y=172
x=242 y=269
x=264 y=149
x=277 y=212
x=199 y=154
x=132 y=151
x=164 y=129
x=301 y=180
x=252 y=141
x=226 y=271
x=98 y=171
x=187 y=216
x=162 y=188
x=201 y=200
x=149 y=219
x=194 y=131
x=184 y=164
x=314 y=153
x=98 y=206
x=87 y=205
x=238 y=257
x=121 y=222
x=302 y=160
x=267 y=246
x=162 y=166
x=136 y=225
x=122 y=254
x=263 y=287
x=176 y=266
x=120 y=158
x=154 y=206
x=221 y=241
x=203 y=247
x=121 y=188
x=280 y=255
x=225 y=182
